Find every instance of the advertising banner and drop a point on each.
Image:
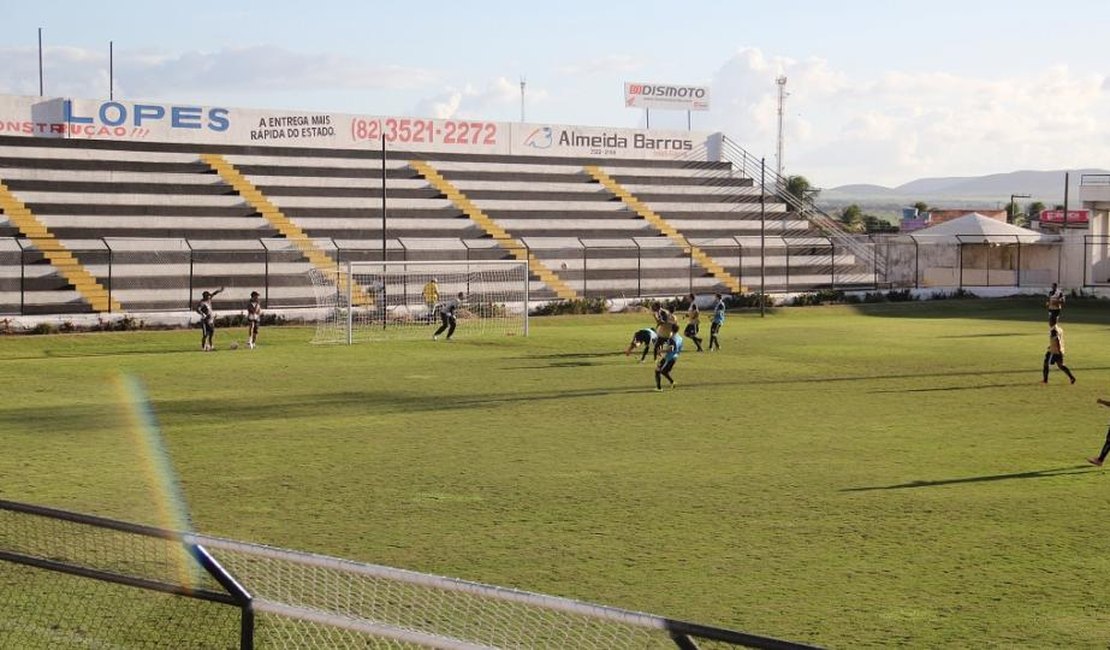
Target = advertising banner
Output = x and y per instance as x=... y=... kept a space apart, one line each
x=218 y=125
x=1057 y=216
x=666 y=96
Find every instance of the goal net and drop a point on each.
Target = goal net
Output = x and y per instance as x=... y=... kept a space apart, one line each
x=370 y=301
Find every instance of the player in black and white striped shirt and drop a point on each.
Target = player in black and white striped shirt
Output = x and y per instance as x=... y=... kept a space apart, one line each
x=207 y=319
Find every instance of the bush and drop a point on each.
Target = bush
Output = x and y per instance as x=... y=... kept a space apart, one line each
x=575 y=306
x=240 y=320
x=958 y=294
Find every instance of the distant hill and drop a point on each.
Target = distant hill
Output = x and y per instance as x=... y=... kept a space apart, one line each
x=991 y=191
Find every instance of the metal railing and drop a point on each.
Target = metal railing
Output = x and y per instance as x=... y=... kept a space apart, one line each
x=163 y=275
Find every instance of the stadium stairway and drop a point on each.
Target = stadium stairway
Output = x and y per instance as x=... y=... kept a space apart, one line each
x=518 y=250
x=704 y=260
x=323 y=262
x=43 y=241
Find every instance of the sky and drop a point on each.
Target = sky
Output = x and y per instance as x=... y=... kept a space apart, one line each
x=877 y=92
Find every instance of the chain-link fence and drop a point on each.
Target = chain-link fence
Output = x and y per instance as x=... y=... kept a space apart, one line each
x=153 y=275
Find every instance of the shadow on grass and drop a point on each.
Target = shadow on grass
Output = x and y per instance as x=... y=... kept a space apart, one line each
x=1040 y=473
x=949 y=388
x=1029 y=309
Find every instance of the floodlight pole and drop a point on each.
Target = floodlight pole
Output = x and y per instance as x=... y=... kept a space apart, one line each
x=111 y=71
x=40 y=63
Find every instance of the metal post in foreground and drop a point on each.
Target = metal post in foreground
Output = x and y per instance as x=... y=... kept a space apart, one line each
x=762 y=236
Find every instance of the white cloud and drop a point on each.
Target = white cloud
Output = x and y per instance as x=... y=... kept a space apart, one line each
x=151 y=74
x=495 y=101
x=902 y=125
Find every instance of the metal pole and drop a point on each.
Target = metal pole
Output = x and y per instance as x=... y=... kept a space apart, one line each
x=265 y=274
x=40 y=63
x=1063 y=233
x=762 y=236
x=688 y=127
x=1018 y=240
x=527 y=294
x=111 y=70
x=350 y=303
x=832 y=260
x=383 y=194
x=105 y=242
x=22 y=280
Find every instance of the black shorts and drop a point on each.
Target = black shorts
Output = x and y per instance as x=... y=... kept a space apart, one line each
x=691 y=329
x=1050 y=358
x=642 y=337
x=207 y=328
x=667 y=366
x=1054 y=313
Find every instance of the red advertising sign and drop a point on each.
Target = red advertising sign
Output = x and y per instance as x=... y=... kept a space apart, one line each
x=1057 y=216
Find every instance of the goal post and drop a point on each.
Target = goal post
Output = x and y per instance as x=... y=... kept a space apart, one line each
x=369 y=301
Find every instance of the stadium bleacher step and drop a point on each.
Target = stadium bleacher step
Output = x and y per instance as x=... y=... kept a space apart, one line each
x=284 y=225
x=67 y=265
x=495 y=231
x=660 y=224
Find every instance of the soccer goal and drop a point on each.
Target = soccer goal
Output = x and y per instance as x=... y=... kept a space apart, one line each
x=369 y=301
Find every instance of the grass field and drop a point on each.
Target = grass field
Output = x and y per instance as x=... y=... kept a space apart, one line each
x=878 y=476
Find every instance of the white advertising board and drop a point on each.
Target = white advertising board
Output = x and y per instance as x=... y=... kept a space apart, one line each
x=193 y=124
x=666 y=96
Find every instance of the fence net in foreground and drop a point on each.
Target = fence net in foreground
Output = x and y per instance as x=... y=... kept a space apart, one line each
x=89 y=582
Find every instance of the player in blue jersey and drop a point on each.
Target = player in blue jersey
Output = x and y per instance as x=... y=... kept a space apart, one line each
x=715 y=324
x=645 y=337
x=673 y=346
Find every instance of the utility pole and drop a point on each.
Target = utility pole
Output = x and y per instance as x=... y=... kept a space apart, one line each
x=781 y=81
x=523 y=82
x=40 y=63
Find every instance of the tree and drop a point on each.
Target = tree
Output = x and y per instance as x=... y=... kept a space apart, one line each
x=852 y=218
x=1035 y=209
x=921 y=206
x=800 y=187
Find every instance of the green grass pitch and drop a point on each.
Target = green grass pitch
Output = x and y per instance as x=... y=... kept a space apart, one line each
x=890 y=475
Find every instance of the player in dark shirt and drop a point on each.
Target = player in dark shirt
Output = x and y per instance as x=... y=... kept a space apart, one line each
x=1101 y=458
x=645 y=337
x=449 y=317
x=207 y=319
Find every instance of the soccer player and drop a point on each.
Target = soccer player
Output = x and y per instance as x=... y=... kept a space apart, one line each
x=449 y=317
x=254 y=319
x=663 y=321
x=1097 y=461
x=645 y=337
x=431 y=297
x=1055 y=302
x=666 y=364
x=207 y=319
x=715 y=324
x=693 y=322
x=1055 y=352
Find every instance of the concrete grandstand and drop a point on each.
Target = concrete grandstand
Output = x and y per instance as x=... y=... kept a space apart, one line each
x=142 y=218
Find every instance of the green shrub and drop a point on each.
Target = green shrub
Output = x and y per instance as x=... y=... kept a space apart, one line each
x=575 y=306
